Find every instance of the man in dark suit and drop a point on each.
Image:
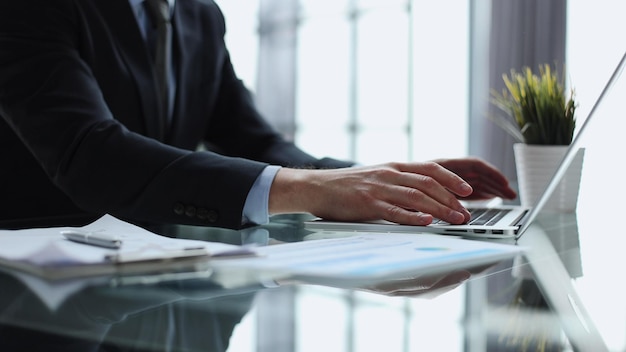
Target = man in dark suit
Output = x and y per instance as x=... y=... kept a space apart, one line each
x=82 y=131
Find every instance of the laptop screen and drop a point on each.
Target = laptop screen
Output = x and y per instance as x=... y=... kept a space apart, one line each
x=604 y=119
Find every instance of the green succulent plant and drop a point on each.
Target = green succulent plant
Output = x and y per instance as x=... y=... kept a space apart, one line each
x=539 y=111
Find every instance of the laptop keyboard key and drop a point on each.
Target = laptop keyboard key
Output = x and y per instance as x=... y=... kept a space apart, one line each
x=488 y=217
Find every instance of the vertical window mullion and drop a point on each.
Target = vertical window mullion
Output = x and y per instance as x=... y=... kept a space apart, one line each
x=353 y=127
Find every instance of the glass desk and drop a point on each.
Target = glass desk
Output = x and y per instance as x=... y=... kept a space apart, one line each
x=564 y=294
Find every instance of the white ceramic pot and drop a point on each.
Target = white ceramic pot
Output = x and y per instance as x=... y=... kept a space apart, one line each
x=536 y=164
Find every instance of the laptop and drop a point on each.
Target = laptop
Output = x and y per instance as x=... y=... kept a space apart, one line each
x=496 y=221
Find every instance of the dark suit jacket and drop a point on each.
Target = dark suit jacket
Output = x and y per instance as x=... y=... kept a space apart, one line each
x=80 y=130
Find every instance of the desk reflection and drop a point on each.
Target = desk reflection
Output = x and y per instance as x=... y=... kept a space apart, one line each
x=189 y=315
x=202 y=314
x=546 y=304
x=180 y=315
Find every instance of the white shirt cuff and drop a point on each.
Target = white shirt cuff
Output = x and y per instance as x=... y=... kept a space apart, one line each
x=256 y=208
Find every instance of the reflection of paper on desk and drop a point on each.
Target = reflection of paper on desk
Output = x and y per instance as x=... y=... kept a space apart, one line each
x=45 y=252
x=346 y=258
x=54 y=293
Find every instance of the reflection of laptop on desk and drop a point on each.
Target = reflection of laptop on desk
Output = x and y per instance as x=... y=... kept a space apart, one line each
x=487 y=222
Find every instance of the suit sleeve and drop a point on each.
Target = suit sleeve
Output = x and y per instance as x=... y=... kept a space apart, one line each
x=51 y=100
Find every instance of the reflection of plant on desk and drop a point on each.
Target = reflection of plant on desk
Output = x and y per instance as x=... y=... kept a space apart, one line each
x=528 y=301
x=537 y=107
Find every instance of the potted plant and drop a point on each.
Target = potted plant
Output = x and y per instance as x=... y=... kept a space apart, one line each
x=537 y=103
x=541 y=117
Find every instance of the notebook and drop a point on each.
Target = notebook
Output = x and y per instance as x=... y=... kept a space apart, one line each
x=496 y=221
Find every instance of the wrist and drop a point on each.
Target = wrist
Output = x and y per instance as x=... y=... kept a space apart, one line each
x=290 y=191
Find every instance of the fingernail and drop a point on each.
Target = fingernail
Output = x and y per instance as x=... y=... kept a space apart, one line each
x=426 y=219
x=457 y=217
x=466 y=188
x=466 y=215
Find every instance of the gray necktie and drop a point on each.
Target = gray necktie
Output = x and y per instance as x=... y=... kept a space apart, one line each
x=159 y=13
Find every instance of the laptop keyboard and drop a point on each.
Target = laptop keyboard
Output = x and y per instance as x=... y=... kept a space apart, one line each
x=487 y=217
x=482 y=216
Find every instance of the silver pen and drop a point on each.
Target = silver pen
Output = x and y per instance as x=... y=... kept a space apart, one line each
x=93 y=238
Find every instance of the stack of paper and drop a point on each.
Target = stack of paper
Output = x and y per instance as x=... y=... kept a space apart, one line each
x=349 y=258
x=47 y=253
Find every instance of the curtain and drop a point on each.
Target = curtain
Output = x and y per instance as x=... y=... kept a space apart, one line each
x=508 y=35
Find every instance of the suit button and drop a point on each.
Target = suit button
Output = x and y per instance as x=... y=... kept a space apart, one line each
x=179 y=209
x=202 y=214
x=190 y=211
x=212 y=216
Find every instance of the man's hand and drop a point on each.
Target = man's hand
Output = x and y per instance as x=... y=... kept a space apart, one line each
x=404 y=193
x=426 y=286
x=484 y=178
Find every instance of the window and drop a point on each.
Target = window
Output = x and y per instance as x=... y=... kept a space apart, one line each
x=242 y=38
x=374 y=83
x=375 y=80
x=594 y=48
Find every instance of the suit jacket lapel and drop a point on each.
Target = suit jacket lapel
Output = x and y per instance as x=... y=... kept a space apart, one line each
x=124 y=29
